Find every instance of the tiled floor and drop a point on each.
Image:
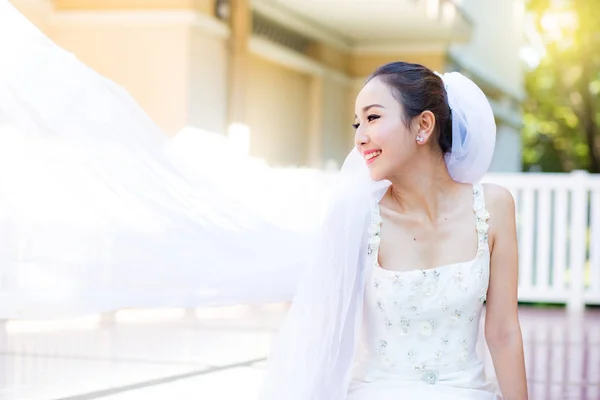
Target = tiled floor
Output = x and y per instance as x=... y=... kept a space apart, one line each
x=562 y=354
x=220 y=357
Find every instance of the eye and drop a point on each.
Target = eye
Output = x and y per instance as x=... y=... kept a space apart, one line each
x=370 y=118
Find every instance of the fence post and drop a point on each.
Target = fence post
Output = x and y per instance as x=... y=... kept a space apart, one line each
x=578 y=242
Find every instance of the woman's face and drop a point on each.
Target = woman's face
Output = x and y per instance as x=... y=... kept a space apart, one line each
x=382 y=137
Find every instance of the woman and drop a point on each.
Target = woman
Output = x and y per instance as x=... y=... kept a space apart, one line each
x=431 y=267
x=397 y=245
x=411 y=249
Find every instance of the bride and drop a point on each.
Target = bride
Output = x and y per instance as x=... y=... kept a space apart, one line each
x=411 y=250
x=96 y=214
x=438 y=249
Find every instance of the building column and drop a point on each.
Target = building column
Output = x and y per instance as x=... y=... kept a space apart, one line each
x=315 y=128
x=330 y=110
x=240 y=23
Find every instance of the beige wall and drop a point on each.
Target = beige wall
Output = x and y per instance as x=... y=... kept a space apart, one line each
x=174 y=69
x=177 y=70
x=277 y=112
x=337 y=119
x=150 y=61
x=205 y=6
x=36 y=11
x=329 y=56
x=207 y=90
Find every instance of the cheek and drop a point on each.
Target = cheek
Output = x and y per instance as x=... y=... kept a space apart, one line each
x=392 y=139
x=398 y=151
x=385 y=134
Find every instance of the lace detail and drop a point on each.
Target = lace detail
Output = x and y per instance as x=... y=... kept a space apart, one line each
x=482 y=216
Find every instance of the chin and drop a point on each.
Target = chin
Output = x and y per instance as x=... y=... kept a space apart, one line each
x=376 y=175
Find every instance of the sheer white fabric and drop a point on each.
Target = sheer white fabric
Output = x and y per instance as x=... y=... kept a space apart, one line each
x=96 y=214
x=313 y=352
x=473 y=129
x=95 y=211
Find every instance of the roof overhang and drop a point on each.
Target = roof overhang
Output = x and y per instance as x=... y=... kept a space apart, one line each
x=360 y=25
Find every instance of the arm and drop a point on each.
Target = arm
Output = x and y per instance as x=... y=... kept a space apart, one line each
x=502 y=329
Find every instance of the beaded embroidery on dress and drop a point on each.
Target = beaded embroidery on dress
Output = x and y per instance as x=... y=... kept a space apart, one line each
x=420 y=327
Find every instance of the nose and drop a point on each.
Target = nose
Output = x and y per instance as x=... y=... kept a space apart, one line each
x=360 y=138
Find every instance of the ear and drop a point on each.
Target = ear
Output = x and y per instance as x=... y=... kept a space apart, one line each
x=426 y=125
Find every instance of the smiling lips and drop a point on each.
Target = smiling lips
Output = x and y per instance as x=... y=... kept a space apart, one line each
x=370 y=155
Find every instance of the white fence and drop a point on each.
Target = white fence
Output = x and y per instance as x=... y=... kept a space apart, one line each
x=558 y=222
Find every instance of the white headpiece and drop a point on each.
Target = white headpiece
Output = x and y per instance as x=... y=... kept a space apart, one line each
x=473 y=129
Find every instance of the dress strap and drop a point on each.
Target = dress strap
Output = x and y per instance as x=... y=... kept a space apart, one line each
x=481 y=217
x=375 y=234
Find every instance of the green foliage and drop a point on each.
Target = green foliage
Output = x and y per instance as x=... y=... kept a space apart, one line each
x=562 y=114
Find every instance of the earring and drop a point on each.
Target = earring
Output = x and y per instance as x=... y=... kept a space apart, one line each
x=420 y=139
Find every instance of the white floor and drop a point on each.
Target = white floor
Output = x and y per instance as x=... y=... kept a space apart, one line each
x=219 y=355
x=216 y=356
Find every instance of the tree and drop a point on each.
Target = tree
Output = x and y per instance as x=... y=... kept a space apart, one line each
x=562 y=113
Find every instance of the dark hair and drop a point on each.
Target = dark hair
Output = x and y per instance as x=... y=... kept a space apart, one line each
x=418 y=89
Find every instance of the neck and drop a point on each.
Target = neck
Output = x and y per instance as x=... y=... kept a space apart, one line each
x=424 y=188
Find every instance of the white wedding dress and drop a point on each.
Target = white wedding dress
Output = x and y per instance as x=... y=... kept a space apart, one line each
x=420 y=327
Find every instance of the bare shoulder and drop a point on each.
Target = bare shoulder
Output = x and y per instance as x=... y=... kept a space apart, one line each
x=499 y=200
x=501 y=206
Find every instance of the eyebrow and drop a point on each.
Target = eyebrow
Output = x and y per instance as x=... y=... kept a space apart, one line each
x=367 y=108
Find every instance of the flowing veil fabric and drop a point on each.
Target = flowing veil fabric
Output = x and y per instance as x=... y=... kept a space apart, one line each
x=96 y=214
x=313 y=352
